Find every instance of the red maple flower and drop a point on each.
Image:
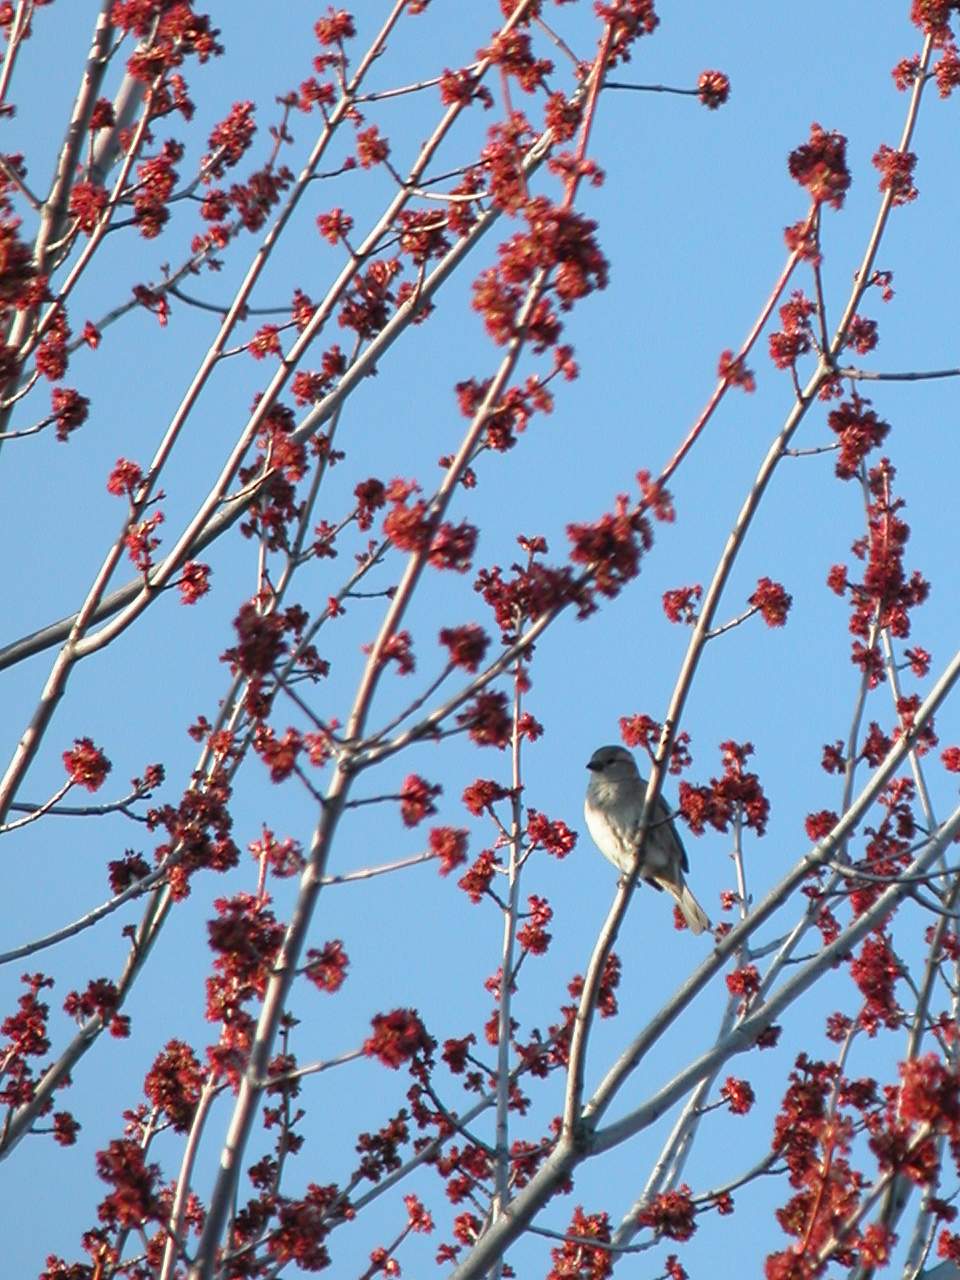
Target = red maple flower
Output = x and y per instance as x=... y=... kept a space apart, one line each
x=86 y=764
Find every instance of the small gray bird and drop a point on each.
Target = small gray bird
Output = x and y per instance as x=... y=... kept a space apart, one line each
x=614 y=802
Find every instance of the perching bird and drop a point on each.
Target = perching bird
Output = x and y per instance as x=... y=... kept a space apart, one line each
x=613 y=806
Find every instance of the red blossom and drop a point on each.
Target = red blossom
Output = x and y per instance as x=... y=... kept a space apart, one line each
x=713 y=89
x=335 y=28
x=230 y=139
x=372 y=149
x=947 y=71
x=86 y=764
x=772 y=602
x=453 y=546
x=408 y=528
x=125 y=478
x=135 y=1199
x=173 y=1084
x=416 y=799
x=670 y=1214
x=65 y=1128
x=468 y=645
x=477 y=880
x=744 y=981
x=680 y=605
x=260 y=641
x=612 y=546
x=450 y=846
x=141 y=541
x=862 y=335
x=737 y=793
x=738 y=1095
x=398 y=648
x=532 y=936
x=87 y=203
x=819 y=825
x=860 y=430
x=397 y=1037
x=278 y=754
x=327 y=968
x=194 y=581
x=265 y=342
x=101 y=999
x=335 y=225
x=70 y=410
x=820 y=165
x=283 y=857
x=875 y=971
x=511 y=51
x=919 y=660
x=575 y=1257
x=483 y=793
x=555 y=837
x=487 y=720
x=733 y=371
x=930 y=1094
x=896 y=173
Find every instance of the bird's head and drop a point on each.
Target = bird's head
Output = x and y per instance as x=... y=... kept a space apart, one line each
x=612 y=763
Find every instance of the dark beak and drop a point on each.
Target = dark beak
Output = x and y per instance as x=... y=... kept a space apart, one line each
x=594 y=766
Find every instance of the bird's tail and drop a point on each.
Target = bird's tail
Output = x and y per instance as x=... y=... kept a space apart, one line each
x=693 y=913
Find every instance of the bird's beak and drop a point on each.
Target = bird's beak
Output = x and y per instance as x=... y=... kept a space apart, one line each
x=592 y=765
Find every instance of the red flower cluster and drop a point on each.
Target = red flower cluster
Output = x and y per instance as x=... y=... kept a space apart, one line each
x=533 y=936
x=194 y=581
x=230 y=139
x=875 y=971
x=335 y=28
x=611 y=547
x=796 y=337
x=533 y=590
x=25 y=1033
x=933 y=18
x=327 y=968
x=555 y=837
x=416 y=799
x=283 y=857
x=737 y=793
x=126 y=477
x=896 y=173
x=397 y=1038
x=734 y=373
x=101 y=999
x=512 y=52
x=135 y=1199
x=862 y=335
x=670 y=1214
x=477 y=880
x=738 y=1095
x=584 y=1261
x=449 y=844
x=886 y=596
x=713 y=89
x=771 y=601
x=643 y=731
x=860 y=430
x=482 y=794
x=86 y=764
x=157 y=178
x=468 y=645
x=680 y=605
x=487 y=720
x=820 y=165
x=173 y=1084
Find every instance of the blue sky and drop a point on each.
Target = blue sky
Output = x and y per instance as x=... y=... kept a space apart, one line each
x=691 y=218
